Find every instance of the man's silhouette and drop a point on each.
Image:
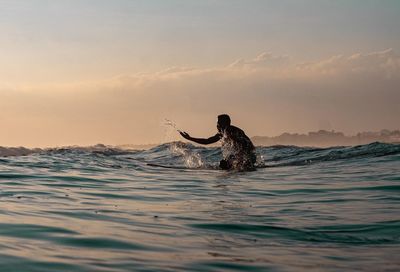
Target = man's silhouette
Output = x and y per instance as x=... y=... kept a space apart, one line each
x=237 y=148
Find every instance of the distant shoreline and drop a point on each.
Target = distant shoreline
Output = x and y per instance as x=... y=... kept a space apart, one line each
x=323 y=138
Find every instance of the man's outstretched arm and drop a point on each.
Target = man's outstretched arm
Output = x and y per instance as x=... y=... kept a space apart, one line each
x=207 y=141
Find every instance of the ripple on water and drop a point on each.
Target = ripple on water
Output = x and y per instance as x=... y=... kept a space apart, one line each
x=369 y=234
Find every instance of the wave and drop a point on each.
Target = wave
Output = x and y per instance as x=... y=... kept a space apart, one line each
x=191 y=156
x=293 y=155
x=24 y=151
x=17 y=151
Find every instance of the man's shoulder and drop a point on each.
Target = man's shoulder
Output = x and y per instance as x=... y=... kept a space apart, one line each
x=234 y=129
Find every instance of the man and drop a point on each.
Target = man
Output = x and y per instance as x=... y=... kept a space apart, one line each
x=237 y=149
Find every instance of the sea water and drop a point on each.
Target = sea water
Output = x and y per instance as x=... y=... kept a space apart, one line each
x=105 y=209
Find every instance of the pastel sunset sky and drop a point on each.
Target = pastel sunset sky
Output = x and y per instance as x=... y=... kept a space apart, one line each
x=98 y=71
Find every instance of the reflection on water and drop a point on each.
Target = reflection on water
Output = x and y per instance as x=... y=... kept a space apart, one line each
x=104 y=209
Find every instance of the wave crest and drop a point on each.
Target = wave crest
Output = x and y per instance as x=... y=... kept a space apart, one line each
x=192 y=156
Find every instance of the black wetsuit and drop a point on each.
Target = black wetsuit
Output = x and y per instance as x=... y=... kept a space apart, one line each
x=237 y=148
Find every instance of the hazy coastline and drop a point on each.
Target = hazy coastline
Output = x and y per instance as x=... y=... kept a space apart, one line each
x=323 y=138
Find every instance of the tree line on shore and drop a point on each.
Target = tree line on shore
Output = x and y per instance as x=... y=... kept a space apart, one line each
x=328 y=138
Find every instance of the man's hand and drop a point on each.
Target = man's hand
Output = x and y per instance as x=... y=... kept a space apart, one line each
x=185 y=135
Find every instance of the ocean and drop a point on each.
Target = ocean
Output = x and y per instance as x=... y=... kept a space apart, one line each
x=103 y=208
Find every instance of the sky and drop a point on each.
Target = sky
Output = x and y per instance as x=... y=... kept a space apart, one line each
x=96 y=71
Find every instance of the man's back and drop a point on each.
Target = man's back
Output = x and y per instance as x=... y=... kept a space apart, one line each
x=236 y=137
x=238 y=150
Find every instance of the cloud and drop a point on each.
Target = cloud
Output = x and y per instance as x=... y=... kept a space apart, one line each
x=264 y=60
x=266 y=95
x=379 y=64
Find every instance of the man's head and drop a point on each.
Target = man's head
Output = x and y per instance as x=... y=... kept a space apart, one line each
x=224 y=121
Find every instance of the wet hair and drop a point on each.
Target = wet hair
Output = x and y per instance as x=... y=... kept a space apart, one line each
x=224 y=119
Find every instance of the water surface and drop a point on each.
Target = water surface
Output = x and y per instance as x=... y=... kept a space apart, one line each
x=106 y=209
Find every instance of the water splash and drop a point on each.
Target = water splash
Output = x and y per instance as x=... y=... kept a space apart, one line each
x=191 y=158
x=170 y=129
x=172 y=124
x=260 y=161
